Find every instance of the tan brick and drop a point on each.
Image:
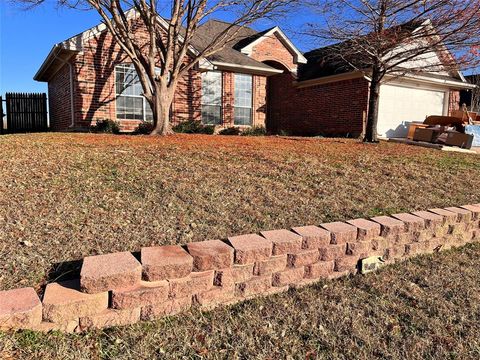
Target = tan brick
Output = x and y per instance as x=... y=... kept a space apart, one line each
x=321 y=269
x=202 y=281
x=475 y=235
x=390 y=226
x=463 y=214
x=412 y=223
x=441 y=231
x=331 y=252
x=147 y=293
x=109 y=272
x=215 y=296
x=109 y=318
x=242 y=273
x=211 y=255
x=256 y=285
x=346 y=263
x=448 y=216
x=268 y=267
x=165 y=262
x=20 y=309
x=367 y=230
x=415 y=248
x=340 y=232
x=380 y=243
x=394 y=252
x=422 y=235
x=46 y=327
x=224 y=278
x=360 y=249
x=432 y=221
x=250 y=248
x=303 y=258
x=180 y=288
x=288 y=277
x=167 y=308
x=284 y=241
x=64 y=301
x=404 y=238
x=313 y=236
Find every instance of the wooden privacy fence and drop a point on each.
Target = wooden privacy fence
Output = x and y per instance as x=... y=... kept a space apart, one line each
x=25 y=112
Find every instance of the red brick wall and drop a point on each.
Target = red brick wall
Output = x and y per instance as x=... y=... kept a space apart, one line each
x=110 y=291
x=60 y=100
x=454 y=101
x=330 y=109
x=273 y=49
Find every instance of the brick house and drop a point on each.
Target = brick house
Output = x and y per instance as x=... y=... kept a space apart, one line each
x=330 y=97
x=231 y=88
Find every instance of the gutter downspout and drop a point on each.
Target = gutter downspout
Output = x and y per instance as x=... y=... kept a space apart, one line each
x=72 y=107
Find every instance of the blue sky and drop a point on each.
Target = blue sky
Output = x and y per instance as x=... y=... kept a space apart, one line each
x=26 y=38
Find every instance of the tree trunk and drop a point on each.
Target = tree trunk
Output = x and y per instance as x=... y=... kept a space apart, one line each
x=372 y=117
x=162 y=102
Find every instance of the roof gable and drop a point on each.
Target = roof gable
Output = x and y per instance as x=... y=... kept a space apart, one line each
x=248 y=46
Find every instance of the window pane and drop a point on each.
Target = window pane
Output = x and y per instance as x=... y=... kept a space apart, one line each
x=130 y=102
x=212 y=97
x=148 y=112
x=212 y=114
x=243 y=116
x=243 y=99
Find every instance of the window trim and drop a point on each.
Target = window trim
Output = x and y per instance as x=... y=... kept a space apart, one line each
x=243 y=107
x=144 y=102
x=209 y=104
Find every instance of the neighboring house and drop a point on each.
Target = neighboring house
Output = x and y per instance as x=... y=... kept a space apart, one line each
x=332 y=95
x=231 y=88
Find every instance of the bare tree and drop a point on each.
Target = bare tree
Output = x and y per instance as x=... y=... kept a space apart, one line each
x=475 y=106
x=390 y=38
x=168 y=54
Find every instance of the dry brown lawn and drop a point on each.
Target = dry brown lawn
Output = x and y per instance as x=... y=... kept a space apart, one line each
x=65 y=196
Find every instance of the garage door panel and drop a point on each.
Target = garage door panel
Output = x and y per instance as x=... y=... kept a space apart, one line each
x=399 y=106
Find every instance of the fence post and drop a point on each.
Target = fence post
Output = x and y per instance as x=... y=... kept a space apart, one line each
x=1 y=115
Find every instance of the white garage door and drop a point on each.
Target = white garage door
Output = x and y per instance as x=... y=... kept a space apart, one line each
x=400 y=106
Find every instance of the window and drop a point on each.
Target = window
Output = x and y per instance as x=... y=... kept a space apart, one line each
x=212 y=98
x=243 y=99
x=131 y=105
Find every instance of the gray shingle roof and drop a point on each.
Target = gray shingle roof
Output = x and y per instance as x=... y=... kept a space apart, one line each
x=231 y=52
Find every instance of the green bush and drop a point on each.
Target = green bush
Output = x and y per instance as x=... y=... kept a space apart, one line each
x=255 y=131
x=194 y=127
x=230 y=131
x=144 y=128
x=106 y=126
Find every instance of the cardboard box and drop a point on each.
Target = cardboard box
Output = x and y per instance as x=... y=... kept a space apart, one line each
x=425 y=135
x=458 y=139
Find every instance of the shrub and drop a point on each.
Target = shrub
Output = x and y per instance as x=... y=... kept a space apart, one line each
x=194 y=127
x=144 y=128
x=255 y=131
x=106 y=126
x=230 y=131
